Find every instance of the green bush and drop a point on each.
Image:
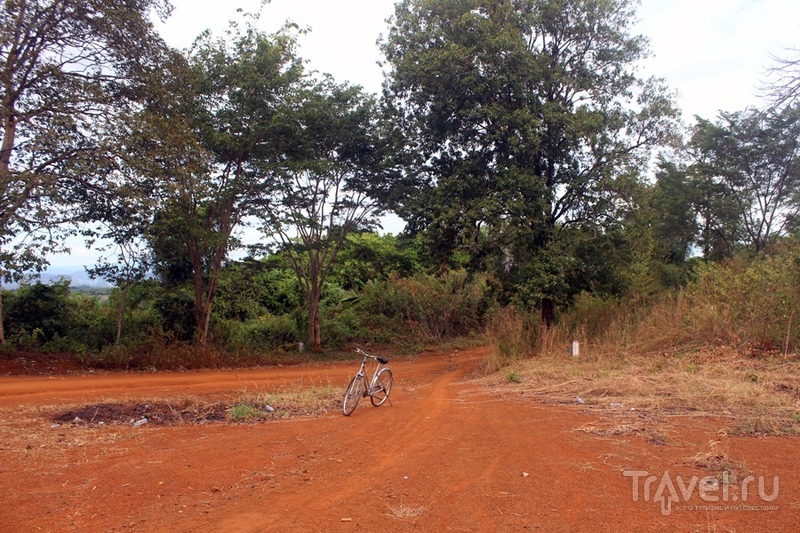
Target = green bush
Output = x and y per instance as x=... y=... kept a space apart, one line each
x=268 y=332
x=749 y=302
x=36 y=313
x=427 y=307
x=177 y=314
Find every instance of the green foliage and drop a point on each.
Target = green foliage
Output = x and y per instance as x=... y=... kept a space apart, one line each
x=37 y=313
x=749 y=302
x=51 y=319
x=367 y=256
x=267 y=332
x=176 y=313
x=674 y=202
x=750 y=164
x=250 y=289
x=519 y=125
x=425 y=306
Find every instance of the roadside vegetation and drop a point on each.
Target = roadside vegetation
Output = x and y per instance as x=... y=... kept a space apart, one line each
x=725 y=344
x=553 y=196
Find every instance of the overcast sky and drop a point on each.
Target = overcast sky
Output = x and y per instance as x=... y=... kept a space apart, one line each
x=714 y=53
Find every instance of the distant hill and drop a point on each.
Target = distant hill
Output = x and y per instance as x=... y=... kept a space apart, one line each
x=79 y=279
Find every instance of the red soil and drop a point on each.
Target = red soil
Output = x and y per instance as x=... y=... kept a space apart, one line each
x=446 y=455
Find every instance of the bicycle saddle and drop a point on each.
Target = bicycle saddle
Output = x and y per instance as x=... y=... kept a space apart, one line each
x=382 y=360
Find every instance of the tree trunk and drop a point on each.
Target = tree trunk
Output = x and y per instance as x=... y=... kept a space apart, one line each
x=121 y=312
x=548 y=312
x=314 y=337
x=199 y=308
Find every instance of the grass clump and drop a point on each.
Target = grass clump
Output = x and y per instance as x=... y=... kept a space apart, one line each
x=258 y=405
x=243 y=412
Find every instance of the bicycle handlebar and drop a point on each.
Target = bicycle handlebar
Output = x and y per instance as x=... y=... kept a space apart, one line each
x=381 y=360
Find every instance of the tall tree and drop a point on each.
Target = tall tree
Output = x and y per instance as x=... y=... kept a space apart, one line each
x=331 y=187
x=126 y=257
x=674 y=219
x=752 y=159
x=66 y=68
x=521 y=113
x=209 y=149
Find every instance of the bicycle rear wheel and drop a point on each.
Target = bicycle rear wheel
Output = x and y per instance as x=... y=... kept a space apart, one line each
x=383 y=385
x=353 y=393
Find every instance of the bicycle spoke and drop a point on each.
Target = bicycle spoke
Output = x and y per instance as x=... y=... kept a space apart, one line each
x=383 y=386
x=352 y=395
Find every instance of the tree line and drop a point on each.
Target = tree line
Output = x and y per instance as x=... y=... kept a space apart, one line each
x=514 y=138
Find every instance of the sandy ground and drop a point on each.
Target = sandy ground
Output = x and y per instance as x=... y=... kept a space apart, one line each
x=448 y=454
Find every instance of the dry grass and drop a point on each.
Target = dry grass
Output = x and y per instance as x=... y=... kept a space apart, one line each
x=761 y=396
x=258 y=404
x=669 y=354
x=718 y=462
x=405 y=512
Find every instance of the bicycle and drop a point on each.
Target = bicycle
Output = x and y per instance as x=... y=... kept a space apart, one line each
x=379 y=386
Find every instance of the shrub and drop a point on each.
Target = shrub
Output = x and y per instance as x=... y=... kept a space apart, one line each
x=749 y=302
x=427 y=307
x=36 y=313
x=268 y=332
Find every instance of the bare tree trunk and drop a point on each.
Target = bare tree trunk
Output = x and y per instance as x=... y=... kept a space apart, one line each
x=121 y=312
x=212 y=289
x=314 y=336
x=199 y=318
x=9 y=132
x=211 y=292
x=548 y=312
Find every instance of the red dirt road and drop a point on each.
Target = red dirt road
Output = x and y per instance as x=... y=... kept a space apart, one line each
x=447 y=455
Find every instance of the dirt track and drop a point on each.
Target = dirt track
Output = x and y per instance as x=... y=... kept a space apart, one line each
x=447 y=455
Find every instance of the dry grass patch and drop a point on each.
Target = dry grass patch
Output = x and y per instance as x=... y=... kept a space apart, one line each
x=249 y=405
x=760 y=396
x=254 y=404
x=405 y=512
x=719 y=464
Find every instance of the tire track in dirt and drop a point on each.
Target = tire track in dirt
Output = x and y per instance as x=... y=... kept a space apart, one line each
x=446 y=455
x=413 y=419
x=25 y=390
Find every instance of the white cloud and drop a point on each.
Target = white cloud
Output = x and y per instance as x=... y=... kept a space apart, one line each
x=715 y=52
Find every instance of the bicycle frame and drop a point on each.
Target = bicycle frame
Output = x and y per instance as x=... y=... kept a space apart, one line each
x=368 y=390
x=377 y=388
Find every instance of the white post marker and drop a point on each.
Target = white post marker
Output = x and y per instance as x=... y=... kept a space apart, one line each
x=576 y=348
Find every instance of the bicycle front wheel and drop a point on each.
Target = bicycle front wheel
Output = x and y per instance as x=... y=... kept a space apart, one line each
x=353 y=393
x=383 y=385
